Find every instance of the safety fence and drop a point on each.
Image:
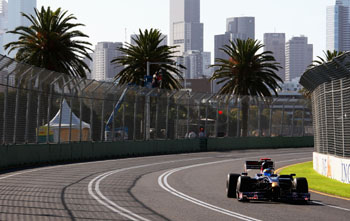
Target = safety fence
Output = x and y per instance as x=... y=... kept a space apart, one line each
x=41 y=106
x=329 y=85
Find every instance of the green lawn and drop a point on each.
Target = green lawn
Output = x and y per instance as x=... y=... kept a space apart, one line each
x=318 y=182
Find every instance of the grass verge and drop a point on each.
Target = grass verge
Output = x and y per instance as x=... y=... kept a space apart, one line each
x=318 y=182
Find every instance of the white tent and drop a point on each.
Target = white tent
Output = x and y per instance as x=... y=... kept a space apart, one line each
x=65 y=125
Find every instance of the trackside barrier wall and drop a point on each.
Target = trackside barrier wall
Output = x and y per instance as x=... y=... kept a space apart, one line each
x=334 y=167
x=40 y=154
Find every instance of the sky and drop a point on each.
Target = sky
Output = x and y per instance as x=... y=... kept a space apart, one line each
x=116 y=20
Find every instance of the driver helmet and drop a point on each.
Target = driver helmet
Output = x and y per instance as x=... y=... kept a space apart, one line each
x=267 y=172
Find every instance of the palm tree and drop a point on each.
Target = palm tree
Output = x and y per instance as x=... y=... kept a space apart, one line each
x=49 y=42
x=147 y=49
x=329 y=55
x=246 y=73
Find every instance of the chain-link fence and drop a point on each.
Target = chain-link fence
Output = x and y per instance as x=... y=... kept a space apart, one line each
x=330 y=87
x=41 y=106
x=332 y=117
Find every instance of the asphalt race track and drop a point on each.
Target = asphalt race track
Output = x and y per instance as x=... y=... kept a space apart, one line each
x=173 y=187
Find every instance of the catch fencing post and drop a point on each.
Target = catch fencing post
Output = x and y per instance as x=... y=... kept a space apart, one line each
x=81 y=111
x=49 y=108
x=167 y=114
x=38 y=116
x=29 y=93
x=17 y=104
x=5 y=107
x=92 y=105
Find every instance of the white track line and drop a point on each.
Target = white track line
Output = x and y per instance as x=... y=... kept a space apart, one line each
x=163 y=182
x=335 y=207
x=94 y=185
x=95 y=192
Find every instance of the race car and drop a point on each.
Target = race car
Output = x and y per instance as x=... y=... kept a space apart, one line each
x=266 y=185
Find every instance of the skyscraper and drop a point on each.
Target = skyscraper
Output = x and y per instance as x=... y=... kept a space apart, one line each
x=241 y=27
x=104 y=53
x=276 y=42
x=299 y=56
x=338 y=26
x=3 y=15
x=15 y=18
x=186 y=31
x=236 y=28
x=3 y=23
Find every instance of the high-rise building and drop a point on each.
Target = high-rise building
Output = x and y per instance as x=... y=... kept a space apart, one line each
x=219 y=42
x=3 y=23
x=162 y=43
x=3 y=16
x=236 y=28
x=90 y=64
x=276 y=43
x=105 y=52
x=299 y=56
x=15 y=18
x=241 y=27
x=194 y=64
x=338 y=26
x=186 y=31
x=207 y=70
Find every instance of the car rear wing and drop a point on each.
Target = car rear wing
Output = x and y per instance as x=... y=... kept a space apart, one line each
x=257 y=165
x=252 y=165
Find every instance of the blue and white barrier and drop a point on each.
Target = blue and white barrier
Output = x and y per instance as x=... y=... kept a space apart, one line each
x=333 y=167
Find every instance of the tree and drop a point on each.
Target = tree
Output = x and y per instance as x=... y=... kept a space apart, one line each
x=147 y=49
x=246 y=73
x=329 y=55
x=50 y=43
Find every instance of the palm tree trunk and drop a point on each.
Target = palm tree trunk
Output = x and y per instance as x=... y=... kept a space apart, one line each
x=245 y=108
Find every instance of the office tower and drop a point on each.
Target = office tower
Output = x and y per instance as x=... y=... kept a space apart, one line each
x=3 y=23
x=105 y=52
x=3 y=16
x=90 y=64
x=299 y=56
x=186 y=31
x=162 y=43
x=15 y=18
x=194 y=64
x=241 y=27
x=236 y=28
x=338 y=26
x=207 y=70
x=276 y=42
x=219 y=42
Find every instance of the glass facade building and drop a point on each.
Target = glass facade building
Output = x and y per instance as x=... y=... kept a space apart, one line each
x=338 y=26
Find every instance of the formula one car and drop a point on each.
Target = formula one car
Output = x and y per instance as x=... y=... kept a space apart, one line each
x=266 y=185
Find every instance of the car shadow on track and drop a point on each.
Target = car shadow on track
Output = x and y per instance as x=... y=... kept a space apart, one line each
x=308 y=203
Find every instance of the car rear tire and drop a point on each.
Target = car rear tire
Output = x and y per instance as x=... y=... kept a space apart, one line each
x=301 y=185
x=231 y=184
x=243 y=185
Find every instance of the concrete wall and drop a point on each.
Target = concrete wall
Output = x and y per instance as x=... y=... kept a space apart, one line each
x=332 y=167
x=39 y=154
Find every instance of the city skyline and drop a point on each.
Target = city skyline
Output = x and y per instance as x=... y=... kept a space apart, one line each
x=270 y=16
